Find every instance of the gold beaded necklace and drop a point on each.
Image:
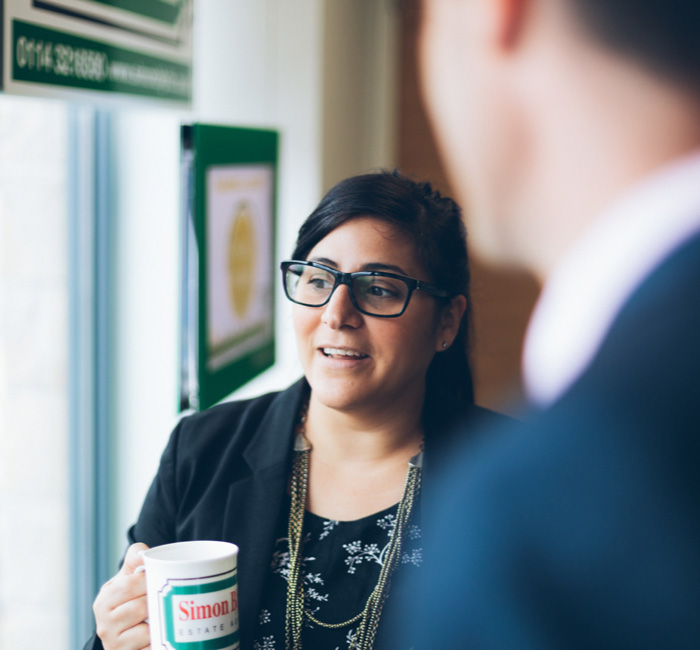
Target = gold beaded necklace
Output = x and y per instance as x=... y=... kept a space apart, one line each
x=369 y=616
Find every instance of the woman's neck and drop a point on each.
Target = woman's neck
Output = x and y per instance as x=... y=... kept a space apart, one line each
x=359 y=461
x=363 y=436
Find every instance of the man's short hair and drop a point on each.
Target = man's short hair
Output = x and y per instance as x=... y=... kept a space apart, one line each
x=663 y=35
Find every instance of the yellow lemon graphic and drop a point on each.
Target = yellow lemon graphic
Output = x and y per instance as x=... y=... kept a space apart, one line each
x=241 y=260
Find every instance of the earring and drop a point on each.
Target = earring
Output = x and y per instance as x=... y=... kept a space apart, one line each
x=444 y=345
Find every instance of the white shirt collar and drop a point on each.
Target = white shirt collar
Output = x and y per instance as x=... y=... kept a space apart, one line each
x=584 y=294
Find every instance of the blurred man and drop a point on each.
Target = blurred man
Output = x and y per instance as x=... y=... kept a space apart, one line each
x=571 y=131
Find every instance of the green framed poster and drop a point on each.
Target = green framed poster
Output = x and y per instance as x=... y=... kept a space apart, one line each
x=228 y=254
x=98 y=48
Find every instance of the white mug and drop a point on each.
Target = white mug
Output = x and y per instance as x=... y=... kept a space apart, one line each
x=192 y=592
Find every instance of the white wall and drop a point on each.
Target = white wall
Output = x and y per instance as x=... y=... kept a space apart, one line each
x=257 y=63
x=360 y=87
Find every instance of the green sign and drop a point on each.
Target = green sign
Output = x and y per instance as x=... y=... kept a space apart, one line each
x=229 y=265
x=167 y=12
x=47 y=56
x=61 y=48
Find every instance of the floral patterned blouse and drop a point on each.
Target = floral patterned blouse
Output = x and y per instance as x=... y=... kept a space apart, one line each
x=340 y=568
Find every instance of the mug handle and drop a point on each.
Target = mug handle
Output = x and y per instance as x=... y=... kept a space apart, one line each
x=141 y=569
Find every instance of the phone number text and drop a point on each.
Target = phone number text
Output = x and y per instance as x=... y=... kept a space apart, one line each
x=61 y=59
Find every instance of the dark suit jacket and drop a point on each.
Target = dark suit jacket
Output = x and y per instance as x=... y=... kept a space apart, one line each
x=583 y=531
x=223 y=476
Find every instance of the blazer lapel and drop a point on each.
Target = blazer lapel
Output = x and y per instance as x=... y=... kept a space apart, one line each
x=254 y=502
x=252 y=512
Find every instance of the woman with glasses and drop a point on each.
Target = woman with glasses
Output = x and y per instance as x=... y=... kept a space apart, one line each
x=319 y=485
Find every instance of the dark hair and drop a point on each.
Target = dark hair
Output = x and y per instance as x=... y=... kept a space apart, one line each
x=661 y=34
x=434 y=223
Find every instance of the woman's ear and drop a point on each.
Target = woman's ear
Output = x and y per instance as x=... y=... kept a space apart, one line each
x=450 y=320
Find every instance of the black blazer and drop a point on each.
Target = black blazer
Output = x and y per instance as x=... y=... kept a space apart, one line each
x=224 y=473
x=583 y=530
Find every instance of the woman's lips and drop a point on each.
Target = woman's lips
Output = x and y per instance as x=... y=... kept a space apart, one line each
x=342 y=353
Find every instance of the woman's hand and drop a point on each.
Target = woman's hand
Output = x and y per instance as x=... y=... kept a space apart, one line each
x=120 y=608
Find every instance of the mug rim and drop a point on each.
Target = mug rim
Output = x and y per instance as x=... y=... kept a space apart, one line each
x=212 y=550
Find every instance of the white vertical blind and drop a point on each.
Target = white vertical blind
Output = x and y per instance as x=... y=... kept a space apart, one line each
x=34 y=404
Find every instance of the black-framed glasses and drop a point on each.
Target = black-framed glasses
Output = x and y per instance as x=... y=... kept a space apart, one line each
x=375 y=293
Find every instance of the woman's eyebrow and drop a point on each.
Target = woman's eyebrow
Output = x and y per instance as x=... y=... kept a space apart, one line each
x=370 y=266
x=381 y=266
x=323 y=260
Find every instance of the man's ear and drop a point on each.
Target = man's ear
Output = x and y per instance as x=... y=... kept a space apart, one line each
x=507 y=21
x=450 y=320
